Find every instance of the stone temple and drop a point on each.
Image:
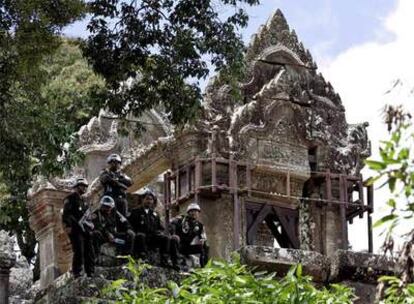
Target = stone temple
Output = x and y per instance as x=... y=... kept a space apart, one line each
x=276 y=171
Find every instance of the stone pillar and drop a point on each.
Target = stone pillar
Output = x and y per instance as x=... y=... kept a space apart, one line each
x=7 y=260
x=45 y=208
x=333 y=230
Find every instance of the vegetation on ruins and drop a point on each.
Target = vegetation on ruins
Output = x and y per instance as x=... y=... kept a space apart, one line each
x=395 y=170
x=228 y=282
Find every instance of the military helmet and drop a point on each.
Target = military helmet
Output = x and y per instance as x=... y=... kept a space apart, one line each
x=107 y=201
x=193 y=206
x=147 y=191
x=114 y=157
x=80 y=181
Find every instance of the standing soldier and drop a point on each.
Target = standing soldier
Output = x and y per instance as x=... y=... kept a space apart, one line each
x=116 y=183
x=188 y=236
x=112 y=227
x=73 y=210
x=147 y=225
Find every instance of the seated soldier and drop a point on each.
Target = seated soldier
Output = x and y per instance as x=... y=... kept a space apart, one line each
x=150 y=233
x=188 y=236
x=107 y=222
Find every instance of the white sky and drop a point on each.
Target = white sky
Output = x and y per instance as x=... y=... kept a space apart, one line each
x=363 y=74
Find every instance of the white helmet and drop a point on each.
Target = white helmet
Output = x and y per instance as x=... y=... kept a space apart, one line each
x=80 y=181
x=193 y=206
x=114 y=157
x=107 y=201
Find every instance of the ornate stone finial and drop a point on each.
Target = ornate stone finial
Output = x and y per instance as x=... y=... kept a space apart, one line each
x=276 y=32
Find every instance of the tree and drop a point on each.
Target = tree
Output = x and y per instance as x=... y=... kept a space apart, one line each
x=228 y=282
x=153 y=53
x=29 y=31
x=395 y=169
x=35 y=125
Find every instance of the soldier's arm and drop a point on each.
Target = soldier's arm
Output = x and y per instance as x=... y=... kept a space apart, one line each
x=107 y=179
x=203 y=235
x=126 y=180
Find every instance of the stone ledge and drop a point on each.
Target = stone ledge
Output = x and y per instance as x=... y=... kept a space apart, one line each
x=280 y=260
x=359 y=266
x=342 y=266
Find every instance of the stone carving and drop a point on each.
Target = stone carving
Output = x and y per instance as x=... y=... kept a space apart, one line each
x=350 y=157
x=100 y=134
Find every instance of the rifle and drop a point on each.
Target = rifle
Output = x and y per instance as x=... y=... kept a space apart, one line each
x=85 y=219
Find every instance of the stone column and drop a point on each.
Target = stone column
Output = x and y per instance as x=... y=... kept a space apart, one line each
x=7 y=260
x=45 y=208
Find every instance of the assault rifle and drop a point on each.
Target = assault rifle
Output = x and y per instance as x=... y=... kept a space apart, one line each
x=86 y=220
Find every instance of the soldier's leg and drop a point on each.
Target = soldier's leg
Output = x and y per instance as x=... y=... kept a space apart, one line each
x=77 y=247
x=174 y=249
x=121 y=205
x=89 y=256
x=202 y=250
x=131 y=242
x=141 y=249
x=97 y=240
x=163 y=243
x=204 y=255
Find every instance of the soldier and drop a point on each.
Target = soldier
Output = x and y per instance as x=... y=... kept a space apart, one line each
x=73 y=210
x=112 y=227
x=188 y=236
x=147 y=225
x=116 y=183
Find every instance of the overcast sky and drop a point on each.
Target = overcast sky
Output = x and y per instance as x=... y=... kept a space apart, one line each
x=362 y=46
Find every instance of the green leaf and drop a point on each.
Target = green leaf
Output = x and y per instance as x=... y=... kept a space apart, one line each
x=391 y=202
x=385 y=219
x=404 y=154
x=375 y=165
x=391 y=183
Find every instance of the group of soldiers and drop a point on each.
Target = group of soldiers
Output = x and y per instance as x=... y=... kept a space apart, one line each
x=138 y=232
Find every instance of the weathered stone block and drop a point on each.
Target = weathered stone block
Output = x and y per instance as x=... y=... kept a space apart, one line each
x=359 y=266
x=280 y=260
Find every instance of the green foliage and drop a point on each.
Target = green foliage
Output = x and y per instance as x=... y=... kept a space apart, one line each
x=397 y=292
x=35 y=122
x=395 y=170
x=153 y=53
x=29 y=31
x=221 y=282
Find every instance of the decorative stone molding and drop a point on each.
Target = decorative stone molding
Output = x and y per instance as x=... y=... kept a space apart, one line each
x=54 y=247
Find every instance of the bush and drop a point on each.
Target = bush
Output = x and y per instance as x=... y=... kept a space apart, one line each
x=222 y=282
